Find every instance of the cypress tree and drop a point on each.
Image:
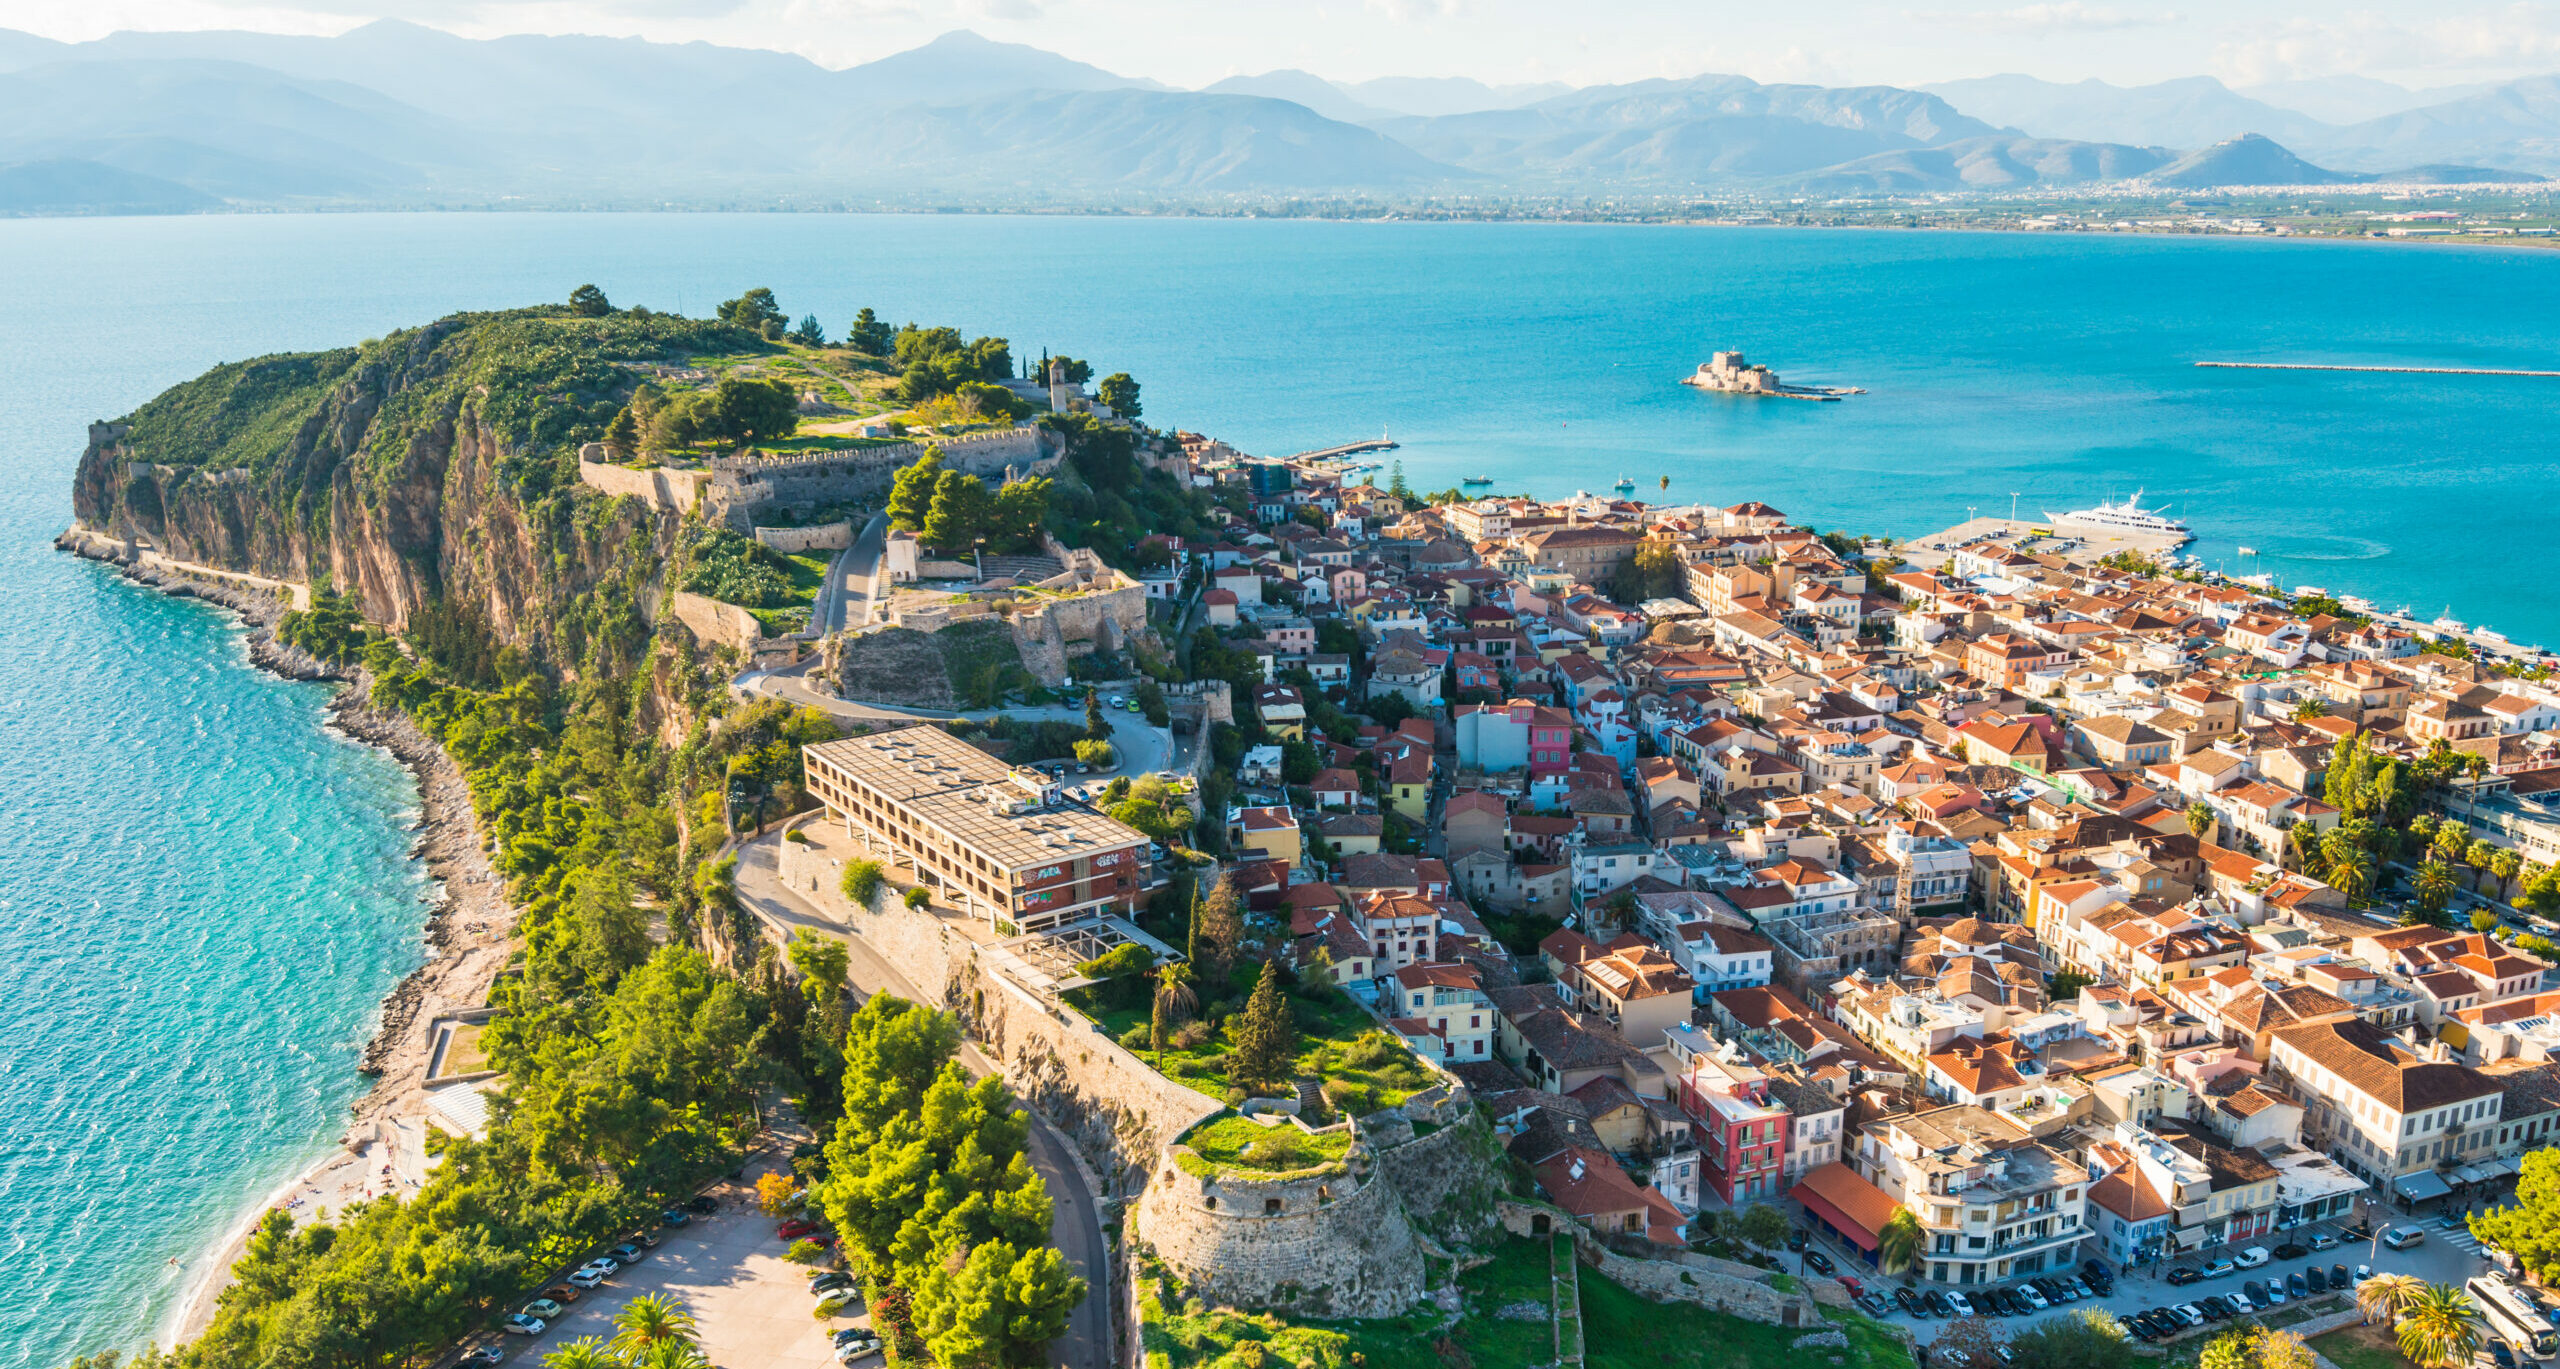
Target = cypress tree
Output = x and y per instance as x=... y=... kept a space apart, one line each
x=1266 y=1038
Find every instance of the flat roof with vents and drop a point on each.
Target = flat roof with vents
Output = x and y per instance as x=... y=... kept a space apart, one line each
x=973 y=797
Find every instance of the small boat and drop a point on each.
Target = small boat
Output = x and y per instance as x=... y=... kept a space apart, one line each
x=2248 y=551
x=2310 y=592
x=1626 y=482
x=2488 y=635
x=1477 y=480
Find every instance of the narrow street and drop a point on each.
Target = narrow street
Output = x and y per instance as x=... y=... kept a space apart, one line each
x=1076 y=1225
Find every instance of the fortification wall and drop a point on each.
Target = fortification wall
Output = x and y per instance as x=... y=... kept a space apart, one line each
x=1119 y=1113
x=658 y=486
x=1335 y=1245
x=717 y=624
x=1444 y=1163
x=834 y=536
x=742 y=485
x=1103 y=618
x=1674 y=1275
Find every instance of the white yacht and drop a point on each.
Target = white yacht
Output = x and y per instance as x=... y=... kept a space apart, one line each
x=2128 y=516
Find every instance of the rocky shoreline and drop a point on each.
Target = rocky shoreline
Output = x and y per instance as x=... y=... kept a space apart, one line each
x=468 y=931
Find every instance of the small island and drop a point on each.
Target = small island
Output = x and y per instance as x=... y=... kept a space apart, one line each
x=1728 y=373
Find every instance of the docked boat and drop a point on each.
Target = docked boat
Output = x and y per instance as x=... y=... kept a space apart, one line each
x=2489 y=635
x=2310 y=592
x=2129 y=517
x=2448 y=623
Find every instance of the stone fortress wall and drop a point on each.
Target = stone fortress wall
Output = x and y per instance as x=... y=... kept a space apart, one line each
x=740 y=486
x=834 y=536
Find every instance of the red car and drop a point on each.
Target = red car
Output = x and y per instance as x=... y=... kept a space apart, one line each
x=1852 y=1284
x=797 y=1227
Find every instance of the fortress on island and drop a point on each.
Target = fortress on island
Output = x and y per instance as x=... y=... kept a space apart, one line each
x=1728 y=373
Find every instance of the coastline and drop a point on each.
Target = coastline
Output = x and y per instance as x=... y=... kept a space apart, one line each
x=468 y=935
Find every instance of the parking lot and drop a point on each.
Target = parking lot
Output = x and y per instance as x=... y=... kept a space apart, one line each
x=2447 y=1256
x=751 y=1305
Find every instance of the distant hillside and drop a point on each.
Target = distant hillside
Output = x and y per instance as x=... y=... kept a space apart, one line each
x=395 y=114
x=2197 y=111
x=1313 y=92
x=65 y=186
x=2245 y=160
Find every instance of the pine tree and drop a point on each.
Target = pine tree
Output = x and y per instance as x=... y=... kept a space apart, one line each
x=623 y=433
x=1096 y=729
x=961 y=511
x=1217 y=928
x=911 y=491
x=1266 y=1037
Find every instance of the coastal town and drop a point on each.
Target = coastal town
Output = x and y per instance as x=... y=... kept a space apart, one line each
x=2014 y=921
x=1494 y=929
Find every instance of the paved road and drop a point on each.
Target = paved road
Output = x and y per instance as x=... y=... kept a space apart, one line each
x=2447 y=1257
x=1075 y=1226
x=850 y=577
x=1137 y=747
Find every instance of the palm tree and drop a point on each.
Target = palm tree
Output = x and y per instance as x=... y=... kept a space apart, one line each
x=2479 y=855
x=1173 y=1004
x=1898 y=1244
x=2353 y=874
x=2506 y=865
x=2384 y=1296
x=2441 y=1327
x=586 y=1352
x=671 y=1354
x=1666 y=482
x=651 y=1320
x=2309 y=709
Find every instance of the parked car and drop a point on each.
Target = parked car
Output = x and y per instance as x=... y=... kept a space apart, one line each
x=1936 y=1301
x=522 y=1325
x=2220 y=1269
x=542 y=1309
x=2181 y=1276
x=2403 y=1237
x=2009 y=1302
x=2363 y=1272
x=1818 y=1262
x=2078 y=1288
x=2104 y=1285
x=1850 y=1282
x=2292 y=1250
x=704 y=1203
x=2338 y=1278
x=2452 y=1221
x=796 y=1228
x=2505 y=1357
x=1958 y=1301
x=831 y=1278
x=850 y=1334
x=1909 y=1302
x=628 y=1253
x=2213 y=1309
x=647 y=1240
x=561 y=1293
x=2296 y=1285
x=480 y=1357
x=835 y=1300
x=1958 y=1358
x=2324 y=1241
x=2252 y=1257
x=2275 y=1292
x=2256 y=1293
x=2034 y=1297
x=674 y=1216
x=1797 y=1238
x=594 y=1272
x=2317 y=1277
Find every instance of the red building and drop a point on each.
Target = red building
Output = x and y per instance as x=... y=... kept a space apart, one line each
x=1742 y=1136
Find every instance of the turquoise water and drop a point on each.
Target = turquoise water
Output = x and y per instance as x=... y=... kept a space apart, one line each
x=203 y=897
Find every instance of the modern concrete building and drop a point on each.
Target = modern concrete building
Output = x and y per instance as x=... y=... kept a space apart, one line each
x=997 y=841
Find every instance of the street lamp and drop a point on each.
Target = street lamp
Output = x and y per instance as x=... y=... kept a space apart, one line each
x=982 y=560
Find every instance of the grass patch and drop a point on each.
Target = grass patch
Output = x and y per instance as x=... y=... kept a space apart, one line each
x=2361 y=1347
x=462 y=1052
x=1364 y=1069
x=1240 y=1143
x=1624 y=1331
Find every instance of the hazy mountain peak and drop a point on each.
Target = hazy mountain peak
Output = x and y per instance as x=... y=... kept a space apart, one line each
x=964 y=65
x=2250 y=159
x=1302 y=88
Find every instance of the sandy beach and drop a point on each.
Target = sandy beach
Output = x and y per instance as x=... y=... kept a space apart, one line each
x=468 y=935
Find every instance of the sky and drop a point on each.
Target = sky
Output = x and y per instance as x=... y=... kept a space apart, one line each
x=1193 y=42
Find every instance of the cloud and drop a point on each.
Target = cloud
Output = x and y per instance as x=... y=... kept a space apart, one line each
x=2494 y=40
x=2053 y=17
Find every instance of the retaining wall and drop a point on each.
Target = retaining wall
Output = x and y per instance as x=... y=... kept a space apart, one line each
x=1674 y=1276
x=825 y=537
x=717 y=624
x=742 y=485
x=1118 y=1112
x=657 y=486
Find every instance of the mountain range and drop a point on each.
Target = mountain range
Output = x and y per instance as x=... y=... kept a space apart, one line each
x=399 y=115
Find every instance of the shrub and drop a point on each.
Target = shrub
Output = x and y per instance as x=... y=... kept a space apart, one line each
x=862 y=880
x=1138 y=1038
x=918 y=896
x=795 y=834
x=1191 y=1035
x=1094 y=753
x=805 y=1251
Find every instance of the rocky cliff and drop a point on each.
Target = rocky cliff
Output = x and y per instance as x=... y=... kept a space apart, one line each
x=435 y=466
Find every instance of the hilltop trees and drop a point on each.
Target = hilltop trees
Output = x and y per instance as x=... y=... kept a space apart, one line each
x=869 y=335
x=756 y=312
x=588 y=301
x=934 y=361
x=951 y=510
x=1120 y=394
x=1265 y=1035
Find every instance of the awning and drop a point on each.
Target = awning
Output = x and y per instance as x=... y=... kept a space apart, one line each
x=1855 y=1208
x=2468 y=1174
x=2501 y=1167
x=2419 y=1187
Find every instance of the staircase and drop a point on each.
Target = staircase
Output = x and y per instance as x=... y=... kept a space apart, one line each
x=1567 y=1291
x=1310 y=1094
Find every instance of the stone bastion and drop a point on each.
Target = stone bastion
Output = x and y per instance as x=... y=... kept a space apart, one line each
x=1343 y=1240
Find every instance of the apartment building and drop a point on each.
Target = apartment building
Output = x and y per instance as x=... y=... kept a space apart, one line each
x=1993 y=1203
x=2386 y=1113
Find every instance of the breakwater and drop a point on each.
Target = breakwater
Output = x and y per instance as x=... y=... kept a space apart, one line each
x=2382 y=370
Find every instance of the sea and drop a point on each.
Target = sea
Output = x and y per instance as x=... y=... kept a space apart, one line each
x=204 y=895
